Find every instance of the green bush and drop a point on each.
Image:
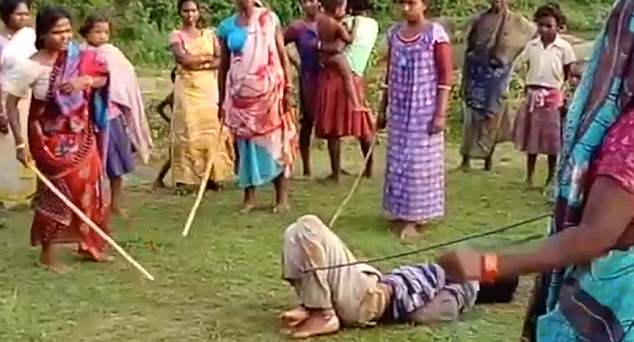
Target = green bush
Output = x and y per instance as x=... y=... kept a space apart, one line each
x=142 y=26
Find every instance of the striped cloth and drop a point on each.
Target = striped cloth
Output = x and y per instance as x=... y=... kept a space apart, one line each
x=414 y=287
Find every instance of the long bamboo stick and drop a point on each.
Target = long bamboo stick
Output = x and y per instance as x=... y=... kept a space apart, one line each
x=356 y=183
x=203 y=184
x=89 y=222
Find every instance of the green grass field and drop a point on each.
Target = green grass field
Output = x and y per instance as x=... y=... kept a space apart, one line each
x=223 y=282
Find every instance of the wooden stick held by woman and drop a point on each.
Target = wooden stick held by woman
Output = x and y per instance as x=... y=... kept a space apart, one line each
x=203 y=184
x=66 y=127
x=356 y=183
x=581 y=264
x=89 y=222
x=196 y=119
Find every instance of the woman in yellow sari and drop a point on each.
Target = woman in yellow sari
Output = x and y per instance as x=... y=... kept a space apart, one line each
x=196 y=123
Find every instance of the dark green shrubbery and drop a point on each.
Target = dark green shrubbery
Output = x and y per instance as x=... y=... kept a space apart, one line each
x=141 y=26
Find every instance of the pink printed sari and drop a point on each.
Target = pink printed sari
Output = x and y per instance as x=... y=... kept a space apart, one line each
x=265 y=132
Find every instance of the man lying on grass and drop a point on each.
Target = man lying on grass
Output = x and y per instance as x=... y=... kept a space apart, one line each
x=360 y=295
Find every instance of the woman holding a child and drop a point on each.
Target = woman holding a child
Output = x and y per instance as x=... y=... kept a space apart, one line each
x=336 y=116
x=585 y=289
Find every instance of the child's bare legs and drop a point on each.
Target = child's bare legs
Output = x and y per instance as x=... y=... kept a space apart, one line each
x=366 y=145
x=281 y=194
x=340 y=62
x=116 y=187
x=466 y=164
x=305 y=134
x=249 y=200
x=552 y=164
x=334 y=150
x=159 y=183
x=531 y=160
x=488 y=164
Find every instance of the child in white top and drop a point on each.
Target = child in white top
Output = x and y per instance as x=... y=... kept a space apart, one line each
x=537 y=127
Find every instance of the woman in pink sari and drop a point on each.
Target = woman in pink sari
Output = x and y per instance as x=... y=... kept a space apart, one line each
x=254 y=88
x=66 y=113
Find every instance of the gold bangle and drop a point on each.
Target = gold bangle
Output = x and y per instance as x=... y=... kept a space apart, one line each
x=444 y=87
x=21 y=146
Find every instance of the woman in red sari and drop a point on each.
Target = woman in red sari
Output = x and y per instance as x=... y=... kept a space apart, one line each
x=67 y=87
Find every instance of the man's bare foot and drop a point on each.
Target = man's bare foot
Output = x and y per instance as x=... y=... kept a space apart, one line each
x=295 y=317
x=317 y=324
x=409 y=232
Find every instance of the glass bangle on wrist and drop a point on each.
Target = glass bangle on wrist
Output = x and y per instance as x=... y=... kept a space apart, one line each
x=21 y=146
x=490 y=268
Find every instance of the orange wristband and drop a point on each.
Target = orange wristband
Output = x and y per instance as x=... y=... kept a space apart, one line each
x=490 y=268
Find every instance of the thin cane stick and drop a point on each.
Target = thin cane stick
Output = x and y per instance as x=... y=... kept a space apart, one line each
x=203 y=184
x=356 y=183
x=89 y=222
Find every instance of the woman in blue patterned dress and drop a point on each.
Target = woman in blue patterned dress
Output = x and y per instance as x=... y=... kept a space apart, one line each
x=586 y=288
x=419 y=79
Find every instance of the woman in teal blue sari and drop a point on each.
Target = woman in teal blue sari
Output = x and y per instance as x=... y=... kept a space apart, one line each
x=586 y=288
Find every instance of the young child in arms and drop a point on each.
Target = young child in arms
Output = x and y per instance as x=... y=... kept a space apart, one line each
x=334 y=33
